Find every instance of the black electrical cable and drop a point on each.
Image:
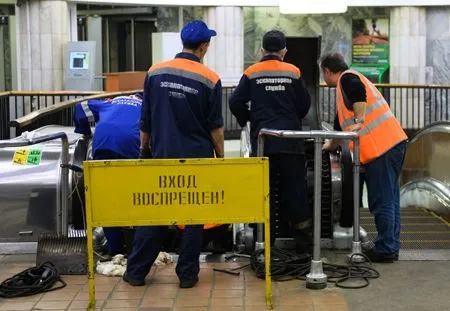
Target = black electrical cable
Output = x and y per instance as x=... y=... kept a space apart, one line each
x=287 y=265
x=32 y=281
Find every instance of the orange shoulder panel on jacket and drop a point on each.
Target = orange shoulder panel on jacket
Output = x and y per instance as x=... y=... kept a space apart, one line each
x=271 y=65
x=188 y=65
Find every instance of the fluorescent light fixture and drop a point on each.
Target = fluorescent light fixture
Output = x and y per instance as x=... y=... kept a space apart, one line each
x=312 y=6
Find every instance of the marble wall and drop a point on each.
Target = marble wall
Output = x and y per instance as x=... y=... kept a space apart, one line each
x=335 y=29
x=168 y=17
x=438 y=45
x=5 y=42
x=46 y=30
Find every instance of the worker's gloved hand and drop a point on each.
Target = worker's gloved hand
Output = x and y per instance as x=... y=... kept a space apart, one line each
x=145 y=153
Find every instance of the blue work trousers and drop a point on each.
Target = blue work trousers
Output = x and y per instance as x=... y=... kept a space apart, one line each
x=114 y=235
x=147 y=244
x=382 y=178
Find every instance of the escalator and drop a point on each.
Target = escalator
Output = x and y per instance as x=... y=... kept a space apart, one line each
x=424 y=196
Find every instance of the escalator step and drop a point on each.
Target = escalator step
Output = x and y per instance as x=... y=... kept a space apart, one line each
x=419 y=230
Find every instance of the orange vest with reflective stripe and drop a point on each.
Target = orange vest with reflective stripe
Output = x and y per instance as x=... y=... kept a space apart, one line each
x=380 y=131
x=205 y=227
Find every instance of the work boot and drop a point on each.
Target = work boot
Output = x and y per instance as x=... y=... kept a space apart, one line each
x=396 y=256
x=380 y=258
x=132 y=282
x=188 y=283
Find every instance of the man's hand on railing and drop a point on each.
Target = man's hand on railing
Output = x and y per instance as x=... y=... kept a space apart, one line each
x=331 y=145
x=355 y=127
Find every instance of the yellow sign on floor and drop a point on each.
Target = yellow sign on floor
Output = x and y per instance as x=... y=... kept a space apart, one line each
x=171 y=192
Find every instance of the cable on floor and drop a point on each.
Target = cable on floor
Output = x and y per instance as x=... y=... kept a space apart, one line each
x=32 y=281
x=288 y=265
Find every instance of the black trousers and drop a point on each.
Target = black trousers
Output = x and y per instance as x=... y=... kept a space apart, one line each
x=288 y=192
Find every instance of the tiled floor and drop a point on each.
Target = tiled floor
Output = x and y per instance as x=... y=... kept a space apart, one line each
x=215 y=291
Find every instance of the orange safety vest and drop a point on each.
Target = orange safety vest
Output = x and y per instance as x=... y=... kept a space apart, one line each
x=205 y=227
x=380 y=131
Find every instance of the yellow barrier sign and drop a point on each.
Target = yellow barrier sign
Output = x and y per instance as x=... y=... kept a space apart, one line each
x=170 y=192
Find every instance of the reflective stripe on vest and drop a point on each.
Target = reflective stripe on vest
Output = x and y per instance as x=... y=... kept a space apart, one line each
x=380 y=130
x=87 y=111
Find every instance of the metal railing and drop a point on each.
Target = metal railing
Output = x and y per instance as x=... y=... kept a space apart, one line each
x=316 y=279
x=415 y=106
x=16 y=104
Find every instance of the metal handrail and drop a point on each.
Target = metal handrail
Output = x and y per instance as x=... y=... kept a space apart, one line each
x=40 y=113
x=48 y=93
x=393 y=85
x=316 y=278
x=62 y=208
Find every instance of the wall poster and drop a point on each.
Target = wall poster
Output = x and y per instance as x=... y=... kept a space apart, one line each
x=370 y=41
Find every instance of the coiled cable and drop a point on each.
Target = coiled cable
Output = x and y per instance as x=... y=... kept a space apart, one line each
x=287 y=265
x=32 y=281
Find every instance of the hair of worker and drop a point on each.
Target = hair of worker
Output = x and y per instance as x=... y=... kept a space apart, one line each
x=334 y=62
x=193 y=46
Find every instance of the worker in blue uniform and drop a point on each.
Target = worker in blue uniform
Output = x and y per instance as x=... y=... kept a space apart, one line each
x=181 y=118
x=116 y=136
x=278 y=100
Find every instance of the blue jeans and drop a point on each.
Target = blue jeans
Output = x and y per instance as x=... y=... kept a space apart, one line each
x=147 y=244
x=382 y=178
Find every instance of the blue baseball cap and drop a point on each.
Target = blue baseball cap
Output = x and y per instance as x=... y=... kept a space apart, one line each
x=196 y=32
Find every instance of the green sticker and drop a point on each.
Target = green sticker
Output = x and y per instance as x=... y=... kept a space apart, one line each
x=34 y=156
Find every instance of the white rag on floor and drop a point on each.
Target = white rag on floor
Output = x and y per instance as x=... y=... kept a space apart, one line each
x=118 y=265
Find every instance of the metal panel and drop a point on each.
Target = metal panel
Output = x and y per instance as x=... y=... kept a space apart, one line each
x=29 y=193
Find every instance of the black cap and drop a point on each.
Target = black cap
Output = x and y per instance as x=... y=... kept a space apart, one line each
x=274 y=41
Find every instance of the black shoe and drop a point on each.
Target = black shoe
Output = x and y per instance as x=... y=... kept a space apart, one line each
x=132 y=282
x=189 y=283
x=396 y=256
x=381 y=258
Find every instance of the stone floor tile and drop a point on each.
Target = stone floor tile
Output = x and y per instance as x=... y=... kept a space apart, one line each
x=298 y=308
x=233 y=302
x=158 y=302
x=83 y=304
x=127 y=295
x=227 y=308
x=12 y=305
x=331 y=307
x=52 y=305
x=114 y=304
x=228 y=293
x=190 y=309
x=191 y=301
x=84 y=295
x=60 y=295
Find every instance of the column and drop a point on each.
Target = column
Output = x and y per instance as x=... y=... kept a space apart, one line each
x=408 y=30
x=226 y=52
x=43 y=29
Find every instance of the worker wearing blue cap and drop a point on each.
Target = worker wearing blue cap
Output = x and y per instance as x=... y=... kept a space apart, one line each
x=181 y=118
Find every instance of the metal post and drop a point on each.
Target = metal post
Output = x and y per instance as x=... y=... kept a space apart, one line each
x=133 y=46
x=356 y=244
x=64 y=185
x=260 y=227
x=316 y=279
